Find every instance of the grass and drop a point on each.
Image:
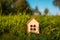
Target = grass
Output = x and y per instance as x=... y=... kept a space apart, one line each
x=14 y=27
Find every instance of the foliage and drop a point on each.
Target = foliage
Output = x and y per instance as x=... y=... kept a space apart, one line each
x=36 y=10
x=14 y=6
x=46 y=11
x=15 y=28
x=57 y=3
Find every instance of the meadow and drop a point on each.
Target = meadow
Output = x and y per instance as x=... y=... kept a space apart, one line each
x=13 y=27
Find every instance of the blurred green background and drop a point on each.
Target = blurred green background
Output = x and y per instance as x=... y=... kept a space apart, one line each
x=15 y=28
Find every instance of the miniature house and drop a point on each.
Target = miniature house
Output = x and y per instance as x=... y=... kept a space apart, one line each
x=33 y=26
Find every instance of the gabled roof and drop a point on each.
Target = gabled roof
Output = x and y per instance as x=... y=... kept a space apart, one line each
x=31 y=20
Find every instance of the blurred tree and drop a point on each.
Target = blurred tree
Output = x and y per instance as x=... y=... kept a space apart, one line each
x=57 y=3
x=46 y=11
x=36 y=11
x=0 y=8
x=22 y=5
x=7 y=6
x=13 y=6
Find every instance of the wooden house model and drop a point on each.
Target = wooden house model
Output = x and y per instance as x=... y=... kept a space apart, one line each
x=33 y=26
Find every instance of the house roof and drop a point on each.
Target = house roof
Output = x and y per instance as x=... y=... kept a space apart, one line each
x=30 y=20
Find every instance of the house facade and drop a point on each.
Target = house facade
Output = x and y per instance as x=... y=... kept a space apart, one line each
x=33 y=26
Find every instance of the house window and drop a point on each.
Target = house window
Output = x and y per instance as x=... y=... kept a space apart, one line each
x=34 y=25
x=34 y=29
x=31 y=29
x=30 y=25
